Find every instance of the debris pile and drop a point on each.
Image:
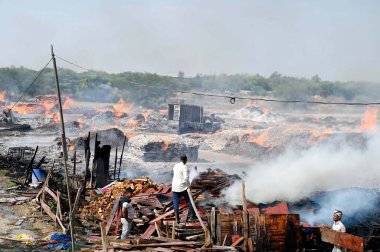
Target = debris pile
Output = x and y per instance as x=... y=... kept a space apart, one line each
x=100 y=205
x=151 y=148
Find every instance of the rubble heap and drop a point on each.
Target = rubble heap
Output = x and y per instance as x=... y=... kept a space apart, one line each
x=151 y=148
x=101 y=205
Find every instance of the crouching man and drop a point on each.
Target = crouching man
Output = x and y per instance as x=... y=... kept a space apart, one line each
x=127 y=213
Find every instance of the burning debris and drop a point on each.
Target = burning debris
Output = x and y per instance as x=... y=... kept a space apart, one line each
x=151 y=148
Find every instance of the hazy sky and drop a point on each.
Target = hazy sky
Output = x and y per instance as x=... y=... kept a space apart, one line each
x=337 y=39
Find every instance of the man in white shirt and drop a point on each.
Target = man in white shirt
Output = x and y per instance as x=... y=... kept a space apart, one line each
x=127 y=213
x=338 y=226
x=180 y=184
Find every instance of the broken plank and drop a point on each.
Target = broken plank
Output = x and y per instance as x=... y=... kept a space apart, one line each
x=162 y=217
x=237 y=242
x=51 y=193
x=122 y=245
x=148 y=233
x=344 y=240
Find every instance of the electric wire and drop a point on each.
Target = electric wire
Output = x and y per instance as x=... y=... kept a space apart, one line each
x=234 y=98
x=32 y=83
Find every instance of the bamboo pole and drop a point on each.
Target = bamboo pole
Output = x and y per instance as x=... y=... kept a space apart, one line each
x=64 y=147
x=245 y=219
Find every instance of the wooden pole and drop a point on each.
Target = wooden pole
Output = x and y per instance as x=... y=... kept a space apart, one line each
x=104 y=238
x=208 y=241
x=87 y=156
x=94 y=160
x=75 y=162
x=30 y=167
x=245 y=219
x=114 y=171
x=121 y=157
x=64 y=147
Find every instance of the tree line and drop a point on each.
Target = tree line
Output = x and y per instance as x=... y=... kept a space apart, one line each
x=150 y=90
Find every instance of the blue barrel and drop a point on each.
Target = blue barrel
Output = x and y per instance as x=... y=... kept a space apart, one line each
x=41 y=175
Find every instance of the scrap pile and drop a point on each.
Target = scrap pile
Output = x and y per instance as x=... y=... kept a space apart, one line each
x=100 y=205
x=150 y=148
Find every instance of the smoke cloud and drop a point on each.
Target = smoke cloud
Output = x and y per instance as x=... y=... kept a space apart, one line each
x=296 y=174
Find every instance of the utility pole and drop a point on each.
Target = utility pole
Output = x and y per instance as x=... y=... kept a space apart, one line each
x=63 y=137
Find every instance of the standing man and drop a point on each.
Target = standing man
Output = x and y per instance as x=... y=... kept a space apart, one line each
x=180 y=184
x=338 y=226
x=127 y=213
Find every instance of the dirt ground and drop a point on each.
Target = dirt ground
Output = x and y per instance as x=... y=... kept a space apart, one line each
x=35 y=224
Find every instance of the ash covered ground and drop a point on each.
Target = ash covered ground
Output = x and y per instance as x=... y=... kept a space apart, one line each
x=292 y=153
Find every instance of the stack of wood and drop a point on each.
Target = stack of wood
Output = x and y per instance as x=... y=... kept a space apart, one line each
x=99 y=206
x=213 y=181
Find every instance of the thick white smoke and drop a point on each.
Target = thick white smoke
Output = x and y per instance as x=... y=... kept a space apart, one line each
x=298 y=174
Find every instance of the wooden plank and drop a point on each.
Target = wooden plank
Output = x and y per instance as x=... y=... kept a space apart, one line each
x=103 y=235
x=51 y=193
x=48 y=210
x=150 y=230
x=121 y=245
x=245 y=219
x=344 y=240
x=158 y=230
x=166 y=214
x=76 y=202
x=237 y=242
x=111 y=216
x=250 y=244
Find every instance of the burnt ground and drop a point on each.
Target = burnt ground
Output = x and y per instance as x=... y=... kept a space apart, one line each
x=34 y=224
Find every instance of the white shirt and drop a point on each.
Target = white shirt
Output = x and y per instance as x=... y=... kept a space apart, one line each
x=338 y=226
x=180 y=178
x=130 y=210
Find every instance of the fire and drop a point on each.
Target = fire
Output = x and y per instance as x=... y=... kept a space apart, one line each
x=165 y=146
x=147 y=113
x=369 y=121
x=163 y=111
x=27 y=108
x=3 y=94
x=79 y=123
x=72 y=147
x=133 y=123
x=260 y=140
x=121 y=108
x=68 y=103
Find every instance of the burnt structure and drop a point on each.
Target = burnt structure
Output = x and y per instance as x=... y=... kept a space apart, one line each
x=191 y=119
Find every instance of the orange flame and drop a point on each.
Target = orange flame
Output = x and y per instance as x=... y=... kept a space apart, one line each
x=133 y=123
x=121 y=108
x=3 y=94
x=147 y=113
x=72 y=147
x=67 y=103
x=369 y=121
x=164 y=146
x=260 y=140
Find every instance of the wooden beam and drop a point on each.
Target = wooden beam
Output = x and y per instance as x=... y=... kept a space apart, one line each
x=158 y=230
x=104 y=238
x=344 y=240
x=76 y=202
x=122 y=245
x=237 y=242
x=245 y=215
x=150 y=230
x=51 y=193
